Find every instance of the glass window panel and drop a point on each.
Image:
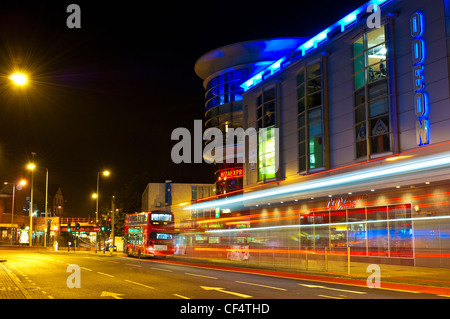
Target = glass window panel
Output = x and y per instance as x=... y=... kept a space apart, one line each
x=360 y=113
x=314 y=85
x=314 y=100
x=313 y=71
x=301 y=106
x=361 y=148
x=301 y=120
x=301 y=134
x=322 y=233
x=301 y=91
x=300 y=78
x=315 y=152
x=301 y=149
x=379 y=126
x=307 y=231
x=269 y=95
x=315 y=122
x=360 y=80
x=378 y=107
x=302 y=163
x=380 y=144
x=400 y=231
x=377 y=89
x=358 y=47
x=376 y=72
x=377 y=235
x=338 y=230
x=375 y=37
x=259 y=112
x=360 y=97
x=357 y=231
x=259 y=100
x=360 y=132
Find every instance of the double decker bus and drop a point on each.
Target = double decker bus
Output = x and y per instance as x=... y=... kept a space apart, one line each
x=149 y=234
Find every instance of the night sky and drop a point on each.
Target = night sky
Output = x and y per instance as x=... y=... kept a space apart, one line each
x=108 y=95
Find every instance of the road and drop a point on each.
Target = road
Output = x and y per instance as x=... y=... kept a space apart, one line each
x=51 y=275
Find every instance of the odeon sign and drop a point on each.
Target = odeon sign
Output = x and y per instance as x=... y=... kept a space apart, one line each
x=421 y=107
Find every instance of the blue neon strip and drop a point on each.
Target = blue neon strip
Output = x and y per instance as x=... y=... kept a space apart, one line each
x=311 y=44
x=441 y=160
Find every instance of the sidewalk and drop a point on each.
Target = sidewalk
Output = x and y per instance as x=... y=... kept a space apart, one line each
x=10 y=286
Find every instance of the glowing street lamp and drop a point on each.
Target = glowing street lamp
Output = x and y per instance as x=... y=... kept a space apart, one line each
x=19 y=79
x=105 y=173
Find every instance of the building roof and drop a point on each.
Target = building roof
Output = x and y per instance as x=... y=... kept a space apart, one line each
x=245 y=53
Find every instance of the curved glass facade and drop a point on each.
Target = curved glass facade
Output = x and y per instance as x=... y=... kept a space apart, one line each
x=223 y=89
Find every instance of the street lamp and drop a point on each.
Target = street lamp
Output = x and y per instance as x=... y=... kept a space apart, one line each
x=31 y=167
x=105 y=173
x=19 y=79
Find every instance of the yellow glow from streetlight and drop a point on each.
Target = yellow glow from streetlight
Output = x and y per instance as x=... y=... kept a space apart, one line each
x=94 y=195
x=106 y=173
x=19 y=79
x=31 y=166
x=23 y=182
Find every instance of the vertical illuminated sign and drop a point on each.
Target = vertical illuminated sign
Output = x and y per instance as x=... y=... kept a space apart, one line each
x=421 y=107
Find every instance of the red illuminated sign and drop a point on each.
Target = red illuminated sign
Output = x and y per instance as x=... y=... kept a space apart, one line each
x=231 y=173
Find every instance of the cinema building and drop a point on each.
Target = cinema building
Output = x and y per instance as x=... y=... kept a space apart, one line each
x=362 y=155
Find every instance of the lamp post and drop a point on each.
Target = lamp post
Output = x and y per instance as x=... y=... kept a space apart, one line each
x=31 y=167
x=105 y=173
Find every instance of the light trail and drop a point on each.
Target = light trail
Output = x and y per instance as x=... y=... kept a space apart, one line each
x=409 y=219
x=366 y=175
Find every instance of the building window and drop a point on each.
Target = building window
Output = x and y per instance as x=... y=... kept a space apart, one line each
x=371 y=95
x=310 y=117
x=266 y=119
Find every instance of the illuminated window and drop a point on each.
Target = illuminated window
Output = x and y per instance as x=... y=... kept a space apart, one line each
x=266 y=116
x=371 y=96
x=310 y=118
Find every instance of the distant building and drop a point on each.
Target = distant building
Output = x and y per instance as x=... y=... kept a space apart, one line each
x=173 y=197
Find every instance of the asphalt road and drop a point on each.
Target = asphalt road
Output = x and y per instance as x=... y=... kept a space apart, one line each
x=62 y=275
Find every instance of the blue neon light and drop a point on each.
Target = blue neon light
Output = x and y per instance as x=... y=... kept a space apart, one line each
x=311 y=44
x=421 y=106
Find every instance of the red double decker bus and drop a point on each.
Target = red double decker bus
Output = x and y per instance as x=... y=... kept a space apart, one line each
x=149 y=234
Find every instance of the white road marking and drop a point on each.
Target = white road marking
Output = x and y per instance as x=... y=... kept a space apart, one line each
x=187 y=273
x=259 y=285
x=139 y=284
x=183 y=297
x=161 y=269
x=102 y=273
x=324 y=296
x=336 y=289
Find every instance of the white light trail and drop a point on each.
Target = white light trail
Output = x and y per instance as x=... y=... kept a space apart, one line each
x=421 y=164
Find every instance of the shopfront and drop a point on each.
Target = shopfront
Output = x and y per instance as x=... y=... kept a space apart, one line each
x=409 y=226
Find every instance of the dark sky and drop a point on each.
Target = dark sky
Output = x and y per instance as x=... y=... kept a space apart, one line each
x=109 y=95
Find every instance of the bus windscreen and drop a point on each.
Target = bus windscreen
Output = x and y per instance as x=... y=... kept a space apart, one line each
x=161 y=217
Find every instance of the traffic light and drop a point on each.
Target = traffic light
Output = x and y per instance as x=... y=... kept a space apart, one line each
x=69 y=229
x=77 y=226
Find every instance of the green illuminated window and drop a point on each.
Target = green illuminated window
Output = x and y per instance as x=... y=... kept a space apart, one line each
x=266 y=117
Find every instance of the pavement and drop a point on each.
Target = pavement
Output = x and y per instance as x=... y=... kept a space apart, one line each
x=403 y=278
